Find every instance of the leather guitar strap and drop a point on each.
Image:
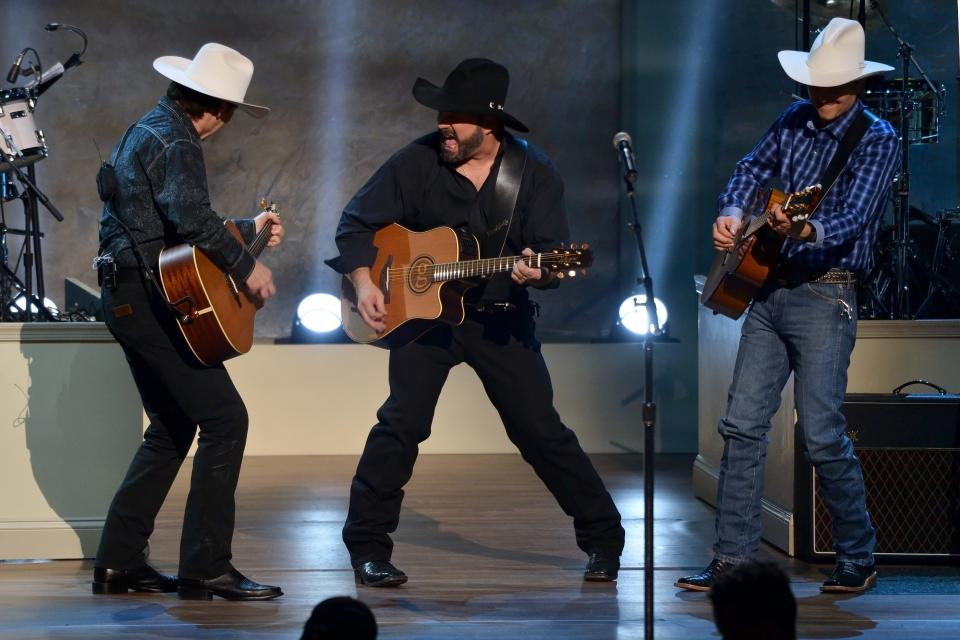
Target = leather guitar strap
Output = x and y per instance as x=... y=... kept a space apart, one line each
x=500 y=218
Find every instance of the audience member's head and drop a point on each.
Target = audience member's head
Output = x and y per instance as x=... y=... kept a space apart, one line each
x=340 y=618
x=753 y=601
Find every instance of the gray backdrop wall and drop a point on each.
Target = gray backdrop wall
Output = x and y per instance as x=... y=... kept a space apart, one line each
x=337 y=75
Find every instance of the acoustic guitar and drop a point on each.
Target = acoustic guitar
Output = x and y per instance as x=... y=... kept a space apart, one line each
x=738 y=273
x=424 y=276
x=217 y=315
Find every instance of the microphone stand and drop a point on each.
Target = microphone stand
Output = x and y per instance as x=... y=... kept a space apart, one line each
x=649 y=417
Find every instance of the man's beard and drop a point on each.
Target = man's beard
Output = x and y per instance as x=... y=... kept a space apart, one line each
x=465 y=148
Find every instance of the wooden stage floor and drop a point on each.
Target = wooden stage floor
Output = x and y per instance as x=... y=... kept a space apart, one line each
x=489 y=555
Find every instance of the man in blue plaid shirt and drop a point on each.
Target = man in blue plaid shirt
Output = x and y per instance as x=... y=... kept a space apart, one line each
x=804 y=320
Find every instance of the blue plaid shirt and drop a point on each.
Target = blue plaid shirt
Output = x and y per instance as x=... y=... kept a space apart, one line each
x=797 y=152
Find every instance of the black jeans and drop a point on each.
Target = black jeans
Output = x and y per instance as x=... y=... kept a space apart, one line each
x=500 y=347
x=179 y=395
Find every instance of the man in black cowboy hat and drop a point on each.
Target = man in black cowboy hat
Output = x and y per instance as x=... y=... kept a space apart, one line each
x=449 y=178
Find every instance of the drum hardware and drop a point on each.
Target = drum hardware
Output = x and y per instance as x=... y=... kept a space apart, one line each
x=22 y=145
x=932 y=267
x=21 y=141
x=925 y=105
x=901 y=191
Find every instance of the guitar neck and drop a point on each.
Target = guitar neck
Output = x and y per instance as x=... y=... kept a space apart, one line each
x=487 y=266
x=756 y=223
x=256 y=247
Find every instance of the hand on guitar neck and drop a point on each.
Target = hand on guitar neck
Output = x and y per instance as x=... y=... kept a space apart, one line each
x=260 y=281
x=524 y=274
x=785 y=227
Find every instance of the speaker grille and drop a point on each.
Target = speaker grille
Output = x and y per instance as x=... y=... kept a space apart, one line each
x=913 y=496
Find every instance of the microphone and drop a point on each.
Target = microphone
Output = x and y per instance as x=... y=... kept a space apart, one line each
x=74 y=60
x=623 y=144
x=14 y=72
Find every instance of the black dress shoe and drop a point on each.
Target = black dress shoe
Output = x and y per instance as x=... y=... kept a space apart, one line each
x=232 y=585
x=601 y=568
x=379 y=573
x=703 y=580
x=848 y=577
x=144 y=578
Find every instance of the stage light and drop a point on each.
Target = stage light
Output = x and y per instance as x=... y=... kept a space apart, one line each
x=319 y=313
x=19 y=305
x=317 y=321
x=633 y=314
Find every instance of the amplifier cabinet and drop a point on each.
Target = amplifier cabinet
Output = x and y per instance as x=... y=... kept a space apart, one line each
x=909 y=449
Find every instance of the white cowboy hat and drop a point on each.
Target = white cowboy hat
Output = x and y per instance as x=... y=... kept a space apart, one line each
x=217 y=71
x=835 y=58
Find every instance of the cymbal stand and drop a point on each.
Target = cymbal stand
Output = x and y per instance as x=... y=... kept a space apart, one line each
x=901 y=300
x=30 y=195
x=942 y=257
x=10 y=285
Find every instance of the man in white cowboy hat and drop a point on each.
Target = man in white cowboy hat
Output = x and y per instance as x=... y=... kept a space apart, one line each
x=450 y=178
x=804 y=319
x=157 y=196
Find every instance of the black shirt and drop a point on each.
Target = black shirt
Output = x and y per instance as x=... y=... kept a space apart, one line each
x=417 y=189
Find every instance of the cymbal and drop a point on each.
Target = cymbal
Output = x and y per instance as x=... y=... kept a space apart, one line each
x=821 y=11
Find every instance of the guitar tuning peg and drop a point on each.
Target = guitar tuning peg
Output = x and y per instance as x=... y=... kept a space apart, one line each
x=559 y=275
x=572 y=273
x=584 y=246
x=583 y=272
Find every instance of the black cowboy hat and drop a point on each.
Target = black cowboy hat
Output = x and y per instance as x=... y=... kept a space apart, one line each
x=477 y=85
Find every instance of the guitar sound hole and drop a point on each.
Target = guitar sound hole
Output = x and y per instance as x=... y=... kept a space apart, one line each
x=420 y=275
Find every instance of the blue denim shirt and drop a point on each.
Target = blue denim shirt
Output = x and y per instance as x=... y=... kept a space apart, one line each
x=162 y=196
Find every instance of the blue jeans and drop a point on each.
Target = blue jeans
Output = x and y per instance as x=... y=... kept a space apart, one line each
x=810 y=330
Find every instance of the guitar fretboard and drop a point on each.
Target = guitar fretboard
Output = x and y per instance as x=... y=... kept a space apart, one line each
x=256 y=247
x=443 y=271
x=483 y=267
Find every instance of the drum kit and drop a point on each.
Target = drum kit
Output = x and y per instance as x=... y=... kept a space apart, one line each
x=914 y=274
x=22 y=145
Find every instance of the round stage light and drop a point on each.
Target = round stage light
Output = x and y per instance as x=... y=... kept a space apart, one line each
x=319 y=312
x=633 y=314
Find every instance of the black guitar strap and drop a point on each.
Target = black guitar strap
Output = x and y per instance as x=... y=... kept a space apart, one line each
x=505 y=193
x=848 y=143
x=500 y=218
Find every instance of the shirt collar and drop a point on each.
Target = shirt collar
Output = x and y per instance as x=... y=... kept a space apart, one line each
x=838 y=127
x=181 y=115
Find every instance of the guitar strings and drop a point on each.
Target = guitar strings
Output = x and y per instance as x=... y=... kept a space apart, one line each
x=400 y=273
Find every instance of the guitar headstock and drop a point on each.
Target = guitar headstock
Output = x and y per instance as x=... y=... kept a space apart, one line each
x=271 y=206
x=800 y=205
x=566 y=261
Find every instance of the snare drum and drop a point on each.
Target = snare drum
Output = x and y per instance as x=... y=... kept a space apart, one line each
x=924 y=110
x=21 y=142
